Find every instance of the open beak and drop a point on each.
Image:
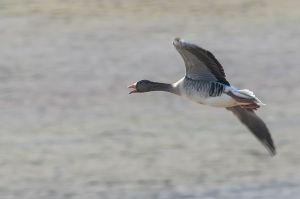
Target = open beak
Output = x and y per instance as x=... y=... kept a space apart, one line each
x=133 y=87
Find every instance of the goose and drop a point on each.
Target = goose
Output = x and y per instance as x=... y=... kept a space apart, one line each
x=205 y=83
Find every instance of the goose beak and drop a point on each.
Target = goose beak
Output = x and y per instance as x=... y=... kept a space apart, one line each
x=133 y=86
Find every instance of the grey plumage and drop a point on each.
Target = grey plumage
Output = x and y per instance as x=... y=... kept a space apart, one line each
x=216 y=89
x=200 y=63
x=204 y=88
x=256 y=126
x=206 y=74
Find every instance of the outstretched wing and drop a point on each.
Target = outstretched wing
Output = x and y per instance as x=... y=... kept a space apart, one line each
x=200 y=64
x=256 y=126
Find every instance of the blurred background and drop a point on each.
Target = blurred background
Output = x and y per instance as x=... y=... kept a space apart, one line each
x=69 y=129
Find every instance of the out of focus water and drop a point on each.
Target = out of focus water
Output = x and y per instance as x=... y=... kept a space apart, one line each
x=69 y=129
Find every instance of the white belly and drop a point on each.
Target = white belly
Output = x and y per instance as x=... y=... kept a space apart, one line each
x=223 y=100
x=218 y=101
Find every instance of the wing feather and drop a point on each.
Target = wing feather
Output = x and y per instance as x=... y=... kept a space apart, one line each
x=200 y=63
x=256 y=126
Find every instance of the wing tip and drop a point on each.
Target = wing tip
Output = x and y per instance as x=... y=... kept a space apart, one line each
x=262 y=134
x=270 y=147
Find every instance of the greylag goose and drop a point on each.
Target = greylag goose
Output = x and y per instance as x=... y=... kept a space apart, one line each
x=205 y=83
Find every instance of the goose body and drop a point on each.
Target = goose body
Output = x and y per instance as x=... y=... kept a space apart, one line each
x=205 y=83
x=204 y=92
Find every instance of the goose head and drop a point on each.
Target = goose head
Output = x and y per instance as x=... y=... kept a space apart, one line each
x=142 y=86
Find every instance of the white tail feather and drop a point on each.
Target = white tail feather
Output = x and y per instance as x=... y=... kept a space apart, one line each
x=245 y=93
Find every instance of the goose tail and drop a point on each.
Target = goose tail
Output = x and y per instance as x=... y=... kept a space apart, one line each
x=249 y=94
x=245 y=98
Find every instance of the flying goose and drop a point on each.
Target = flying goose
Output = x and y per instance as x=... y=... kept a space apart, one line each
x=205 y=83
